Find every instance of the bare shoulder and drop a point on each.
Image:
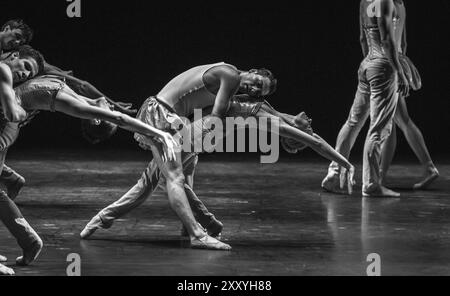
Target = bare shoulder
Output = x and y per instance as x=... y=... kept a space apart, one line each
x=5 y=74
x=224 y=73
x=228 y=73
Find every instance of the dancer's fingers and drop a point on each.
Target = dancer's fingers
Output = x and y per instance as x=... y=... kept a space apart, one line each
x=342 y=177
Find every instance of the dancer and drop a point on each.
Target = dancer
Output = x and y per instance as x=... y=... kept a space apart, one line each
x=381 y=81
x=296 y=133
x=14 y=33
x=360 y=112
x=18 y=67
x=211 y=85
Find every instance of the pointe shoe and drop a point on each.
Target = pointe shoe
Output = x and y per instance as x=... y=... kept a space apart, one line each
x=91 y=227
x=30 y=254
x=381 y=192
x=3 y=259
x=331 y=183
x=209 y=243
x=6 y=270
x=431 y=176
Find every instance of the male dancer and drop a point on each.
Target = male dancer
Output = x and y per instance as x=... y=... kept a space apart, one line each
x=381 y=80
x=360 y=112
x=296 y=133
x=14 y=33
x=211 y=85
x=18 y=67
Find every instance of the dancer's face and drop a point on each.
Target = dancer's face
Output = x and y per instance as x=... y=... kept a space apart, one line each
x=12 y=39
x=255 y=85
x=22 y=68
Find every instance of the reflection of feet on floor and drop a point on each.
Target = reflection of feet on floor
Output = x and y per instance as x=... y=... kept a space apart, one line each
x=30 y=254
x=331 y=183
x=430 y=176
x=3 y=259
x=6 y=270
x=381 y=192
x=209 y=243
x=91 y=227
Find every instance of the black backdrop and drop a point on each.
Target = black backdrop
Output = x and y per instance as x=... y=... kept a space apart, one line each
x=130 y=49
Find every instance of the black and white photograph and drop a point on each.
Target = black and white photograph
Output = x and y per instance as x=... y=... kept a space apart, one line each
x=224 y=139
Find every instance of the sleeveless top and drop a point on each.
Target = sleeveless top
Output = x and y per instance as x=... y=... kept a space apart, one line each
x=189 y=91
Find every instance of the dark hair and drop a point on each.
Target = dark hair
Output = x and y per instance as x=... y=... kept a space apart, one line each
x=26 y=51
x=267 y=73
x=94 y=133
x=20 y=24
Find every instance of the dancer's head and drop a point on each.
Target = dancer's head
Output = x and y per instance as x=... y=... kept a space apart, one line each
x=25 y=63
x=258 y=83
x=14 y=33
x=95 y=131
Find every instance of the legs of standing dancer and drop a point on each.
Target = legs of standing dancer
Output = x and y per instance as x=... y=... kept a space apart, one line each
x=416 y=142
x=382 y=79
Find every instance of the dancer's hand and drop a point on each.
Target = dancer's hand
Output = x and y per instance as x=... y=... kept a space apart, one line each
x=403 y=84
x=169 y=145
x=348 y=176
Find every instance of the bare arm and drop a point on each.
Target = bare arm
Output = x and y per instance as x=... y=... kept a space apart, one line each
x=386 y=26
x=404 y=41
x=12 y=110
x=363 y=37
x=229 y=84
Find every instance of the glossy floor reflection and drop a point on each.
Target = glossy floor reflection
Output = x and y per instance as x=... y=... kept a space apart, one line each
x=276 y=218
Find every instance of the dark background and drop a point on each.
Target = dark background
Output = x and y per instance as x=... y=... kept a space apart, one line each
x=130 y=49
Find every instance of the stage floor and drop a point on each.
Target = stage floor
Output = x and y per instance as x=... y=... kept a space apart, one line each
x=277 y=219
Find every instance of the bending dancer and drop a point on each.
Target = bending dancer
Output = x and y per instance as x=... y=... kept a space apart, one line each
x=51 y=94
x=296 y=133
x=211 y=85
x=381 y=81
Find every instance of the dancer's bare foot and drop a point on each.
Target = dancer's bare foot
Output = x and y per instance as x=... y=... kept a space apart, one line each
x=30 y=254
x=6 y=270
x=3 y=259
x=331 y=183
x=381 y=192
x=209 y=243
x=431 y=174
